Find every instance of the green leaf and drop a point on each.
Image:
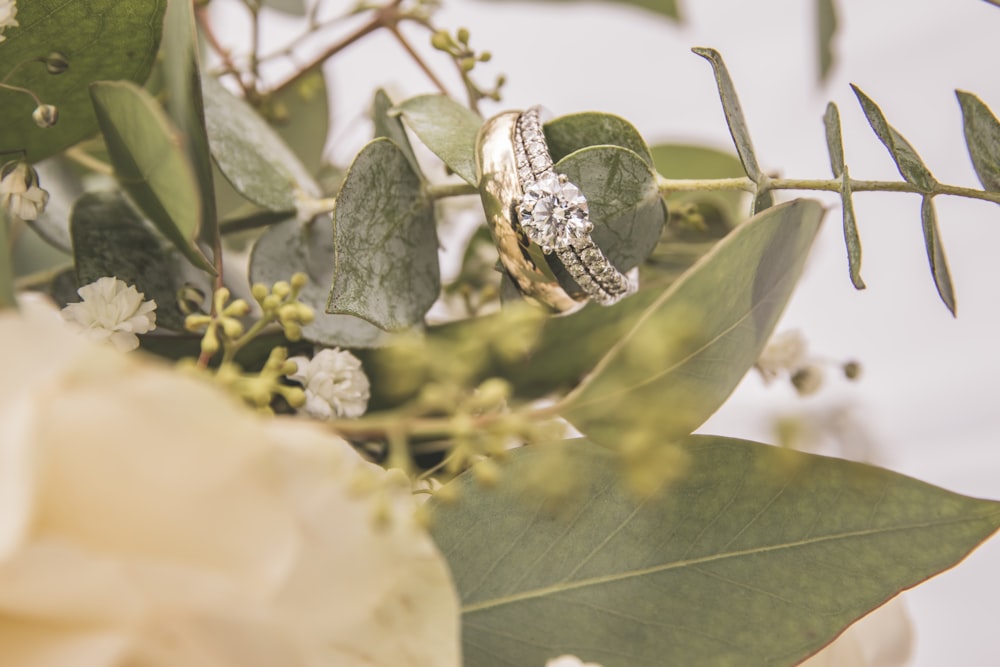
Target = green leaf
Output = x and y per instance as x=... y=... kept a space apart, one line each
x=624 y=202
x=685 y=350
x=738 y=127
x=250 y=154
x=293 y=246
x=294 y=7
x=447 y=128
x=7 y=299
x=64 y=185
x=835 y=145
x=567 y=134
x=110 y=239
x=935 y=254
x=186 y=108
x=910 y=166
x=300 y=114
x=755 y=555
x=150 y=163
x=826 y=28
x=982 y=135
x=668 y=8
x=391 y=127
x=387 y=270
x=693 y=161
x=101 y=39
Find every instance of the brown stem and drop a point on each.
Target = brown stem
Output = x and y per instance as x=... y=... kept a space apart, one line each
x=417 y=59
x=201 y=15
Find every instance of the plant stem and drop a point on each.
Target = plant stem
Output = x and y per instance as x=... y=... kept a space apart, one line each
x=442 y=190
x=417 y=59
x=85 y=159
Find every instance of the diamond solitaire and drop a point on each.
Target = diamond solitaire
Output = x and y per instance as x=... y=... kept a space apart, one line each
x=553 y=213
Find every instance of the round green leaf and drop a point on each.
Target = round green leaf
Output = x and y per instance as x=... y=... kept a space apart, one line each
x=103 y=40
x=570 y=133
x=447 y=128
x=292 y=246
x=755 y=555
x=390 y=126
x=300 y=114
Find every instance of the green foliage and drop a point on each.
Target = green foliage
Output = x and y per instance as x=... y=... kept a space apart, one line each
x=7 y=299
x=835 y=145
x=300 y=114
x=150 y=163
x=935 y=254
x=389 y=125
x=572 y=132
x=669 y=8
x=826 y=29
x=447 y=128
x=753 y=555
x=101 y=40
x=982 y=135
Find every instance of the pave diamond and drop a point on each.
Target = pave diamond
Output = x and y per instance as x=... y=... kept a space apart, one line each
x=553 y=213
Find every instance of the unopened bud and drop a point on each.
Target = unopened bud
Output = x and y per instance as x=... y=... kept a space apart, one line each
x=807 y=380
x=463 y=35
x=441 y=40
x=852 y=370
x=56 y=63
x=281 y=289
x=190 y=300
x=45 y=115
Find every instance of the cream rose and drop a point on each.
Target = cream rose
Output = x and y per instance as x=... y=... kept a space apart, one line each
x=148 y=520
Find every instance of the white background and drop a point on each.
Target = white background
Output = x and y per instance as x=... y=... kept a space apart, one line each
x=926 y=404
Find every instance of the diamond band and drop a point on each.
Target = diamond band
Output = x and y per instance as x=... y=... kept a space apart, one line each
x=554 y=214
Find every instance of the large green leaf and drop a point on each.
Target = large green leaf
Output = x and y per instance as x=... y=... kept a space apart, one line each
x=110 y=239
x=300 y=114
x=292 y=246
x=250 y=154
x=150 y=163
x=738 y=127
x=572 y=132
x=385 y=239
x=101 y=40
x=679 y=355
x=982 y=135
x=910 y=166
x=447 y=128
x=835 y=146
x=753 y=556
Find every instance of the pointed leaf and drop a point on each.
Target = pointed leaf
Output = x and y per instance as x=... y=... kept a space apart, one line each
x=910 y=166
x=982 y=135
x=150 y=163
x=101 y=39
x=110 y=239
x=567 y=134
x=754 y=555
x=293 y=246
x=826 y=28
x=935 y=254
x=253 y=158
x=835 y=145
x=738 y=127
x=688 y=348
x=447 y=128
x=391 y=126
x=387 y=268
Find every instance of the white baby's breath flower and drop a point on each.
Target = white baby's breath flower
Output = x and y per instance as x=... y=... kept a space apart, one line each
x=8 y=12
x=335 y=384
x=784 y=353
x=569 y=661
x=20 y=193
x=112 y=310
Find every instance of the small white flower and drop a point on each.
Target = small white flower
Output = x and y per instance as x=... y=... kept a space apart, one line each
x=8 y=10
x=20 y=194
x=569 y=661
x=334 y=382
x=784 y=353
x=112 y=310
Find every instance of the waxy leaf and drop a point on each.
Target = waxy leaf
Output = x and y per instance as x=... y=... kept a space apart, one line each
x=253 y=158
x=738 y=127
x=982 y=135
x=110 y=239
x=910 y=166
x=100 y=39
x=676 y=356
x=935 y=254
x=826 y=28
x=293 y=246
x=754 y=555
x=385 y=241
x=447 y=128
x=390 y=126
x=300 y=113
x=835 y=145
x=7 y=299
x=570 y=133
x=150 y=163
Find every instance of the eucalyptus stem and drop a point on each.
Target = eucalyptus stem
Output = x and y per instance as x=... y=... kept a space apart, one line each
x=425 y=68
x=85 y=159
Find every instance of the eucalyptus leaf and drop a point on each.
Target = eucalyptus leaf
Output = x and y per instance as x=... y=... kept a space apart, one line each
x=680 y=161
x=186 y=108
x=100 y=39
x=294 y=7
x=447 y=128
x=391 y=127
x=110 y=239
x=387 y=270
x=826 y=29
x=754 y=555
x=7 y=298
x=253 y=158
x=910 y=166
x=150 y=163
x=835 y=145
x=738 y=127
x=570 y=133
x=683 y=352
x=292 y=246
x=668 y=8
x=624 y=203
x=982 y=135
x=300 y=113
x=935 y=254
